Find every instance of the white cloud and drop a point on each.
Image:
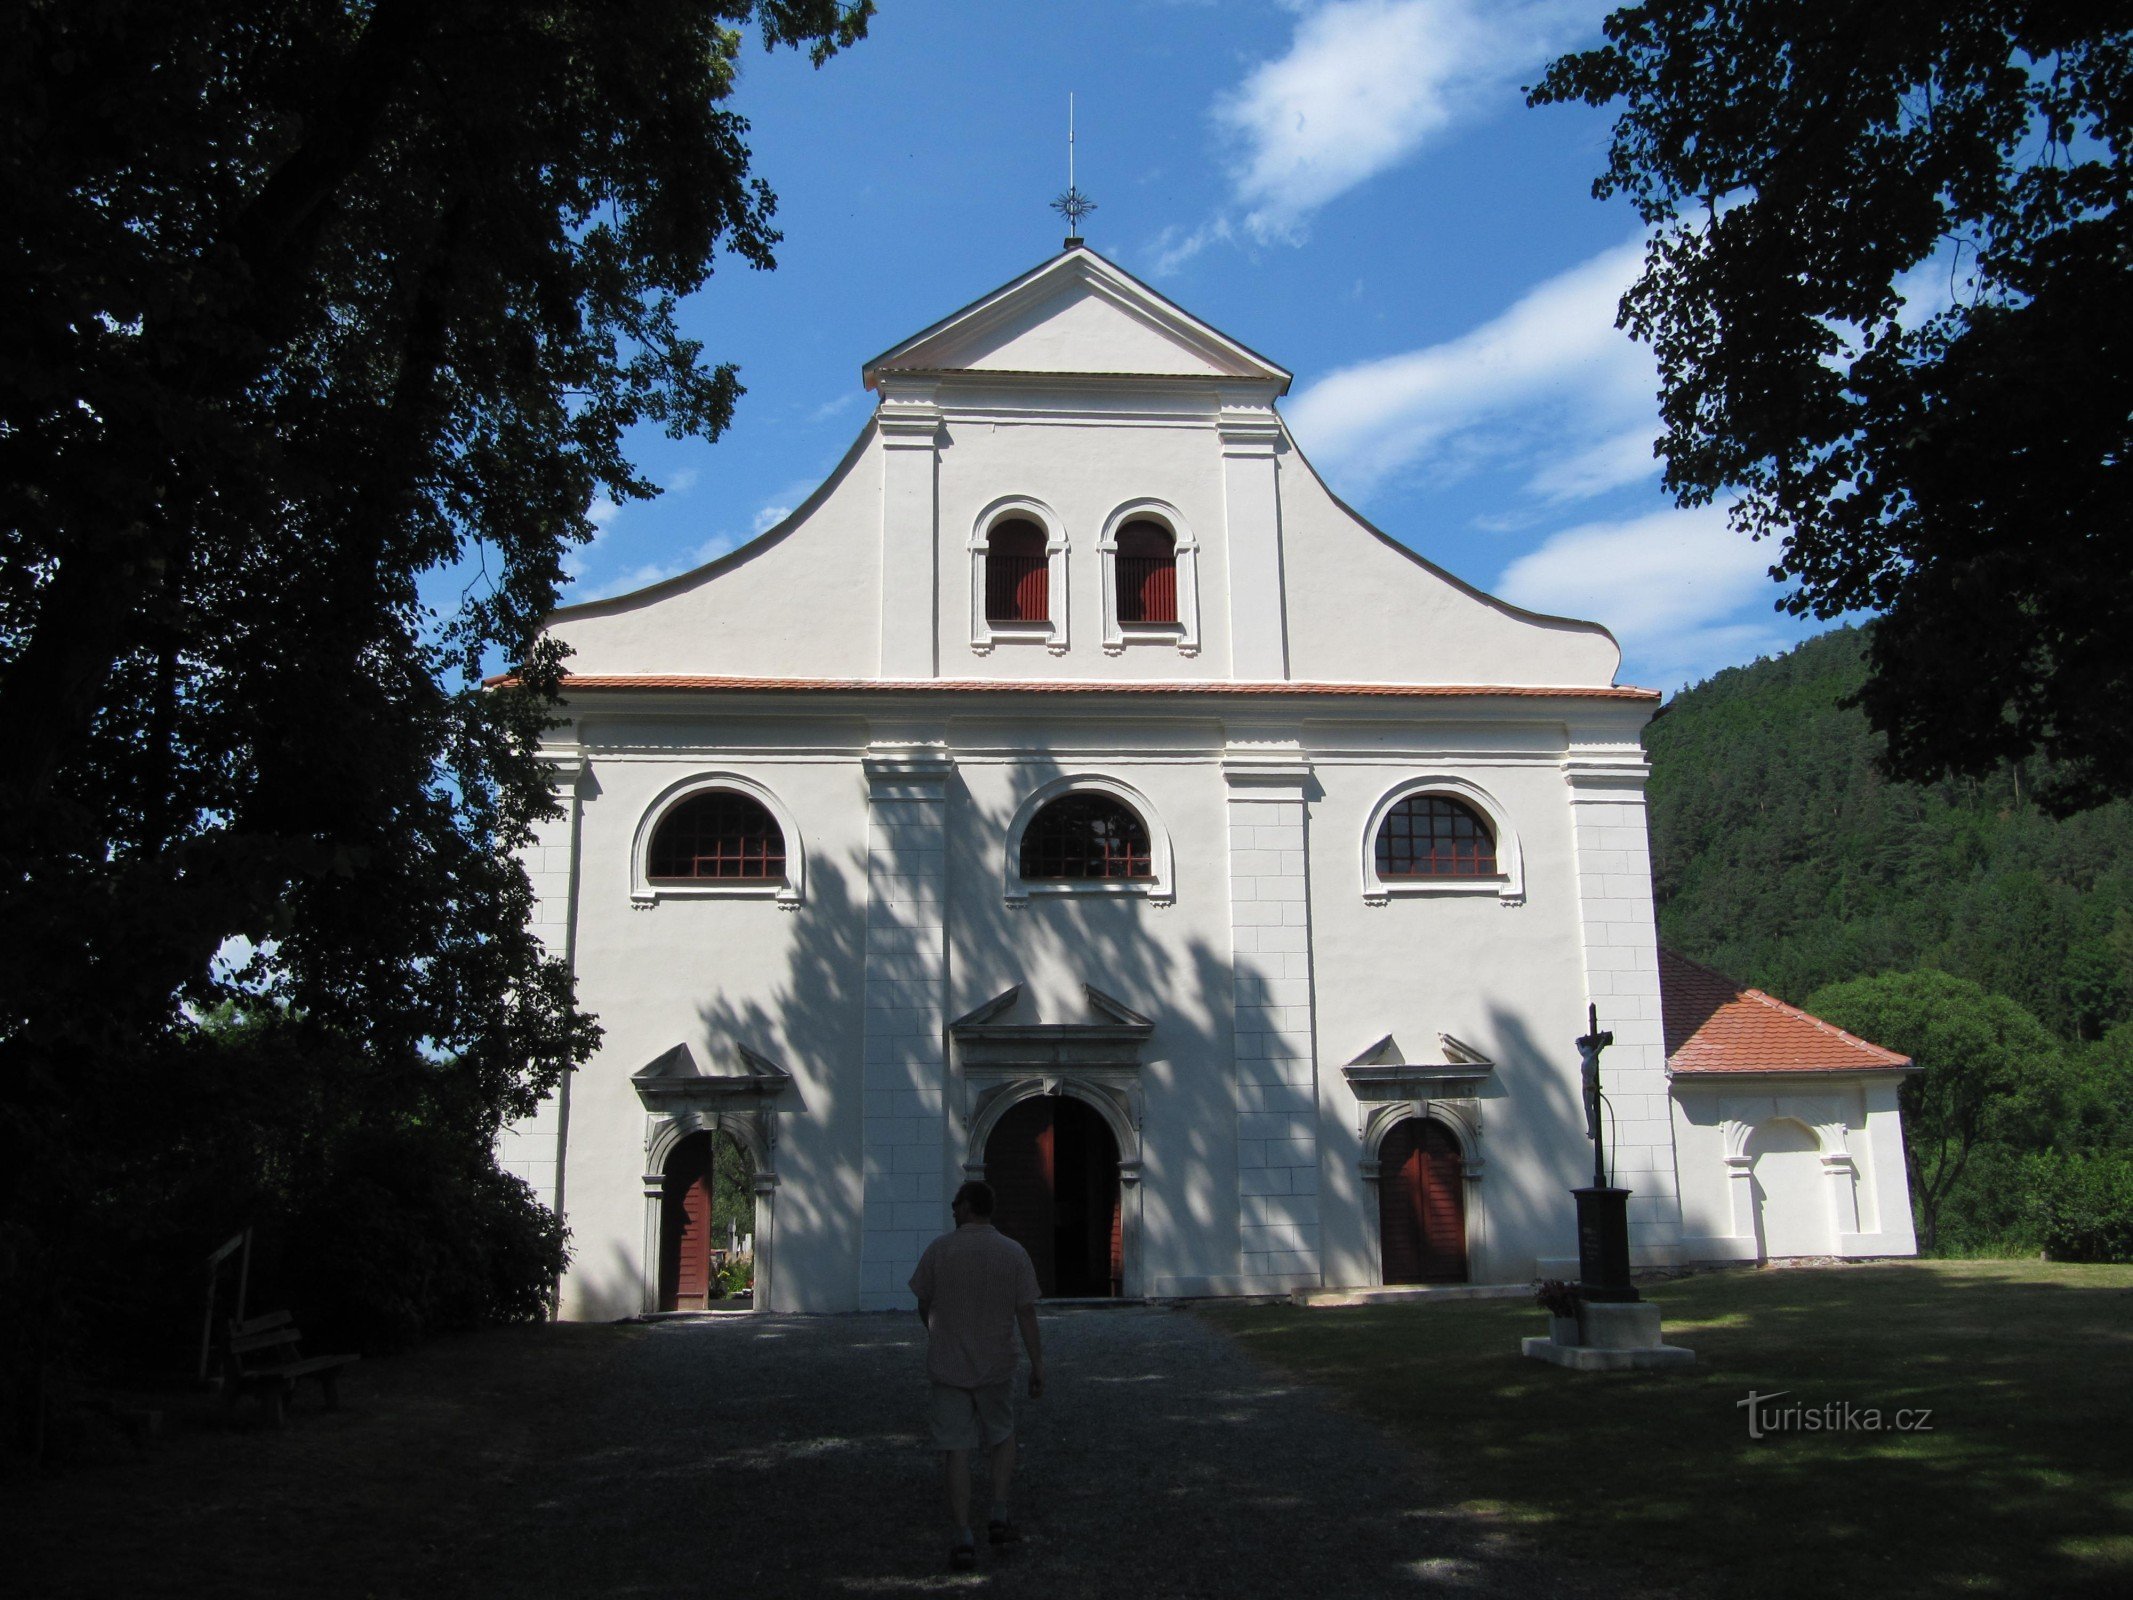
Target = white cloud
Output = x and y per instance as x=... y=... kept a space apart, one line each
x=837 y=407
x=1613 y=463
x=603 y=511
x=1364 y=86
x=769 y=517
x=683 y=481
x=1681 y=590
x=1551 y=377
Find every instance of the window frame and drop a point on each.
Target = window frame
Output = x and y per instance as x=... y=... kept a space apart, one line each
x=1157 y=888
x=645 y=890
x=987 y=632
x=1183 y=634
x=1507 y=884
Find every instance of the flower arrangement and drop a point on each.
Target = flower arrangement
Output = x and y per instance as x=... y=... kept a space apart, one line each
x=1558 y=1297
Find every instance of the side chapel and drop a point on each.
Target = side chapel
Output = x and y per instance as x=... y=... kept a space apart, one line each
x=1073 y=792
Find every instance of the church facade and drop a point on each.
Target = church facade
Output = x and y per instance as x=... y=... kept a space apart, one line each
x=1074 y=793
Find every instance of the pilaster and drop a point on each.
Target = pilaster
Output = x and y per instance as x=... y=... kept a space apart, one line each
x=909 y=420
x=1251 y=512
x=1276 y=1073
x=905 y=1044
x=532 y=1149
x=1621 y=948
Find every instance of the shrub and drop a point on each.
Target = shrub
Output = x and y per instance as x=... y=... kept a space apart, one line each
x=415 y=1232
x=2082 y=1205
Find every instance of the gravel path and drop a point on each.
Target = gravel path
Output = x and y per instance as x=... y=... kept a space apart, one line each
x=783 y=1456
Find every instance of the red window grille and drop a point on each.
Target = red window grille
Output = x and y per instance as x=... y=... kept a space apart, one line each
x=718 y=835
x=1086 y=836
x=1430 y=836
x=1017 y=574
x=1147 y=573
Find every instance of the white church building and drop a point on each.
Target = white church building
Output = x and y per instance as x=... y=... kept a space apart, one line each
x=1073 y=792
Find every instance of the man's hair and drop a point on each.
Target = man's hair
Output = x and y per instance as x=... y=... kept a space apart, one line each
x=977 y=1196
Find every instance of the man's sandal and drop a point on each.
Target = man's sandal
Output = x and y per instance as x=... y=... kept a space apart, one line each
x=962 y=1558
x=1003 y=1532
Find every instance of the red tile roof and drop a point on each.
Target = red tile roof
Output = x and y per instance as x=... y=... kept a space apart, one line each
x=573 y=683
x=1713 y=1025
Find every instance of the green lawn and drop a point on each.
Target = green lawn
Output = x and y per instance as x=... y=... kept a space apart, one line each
x=2023 y=1486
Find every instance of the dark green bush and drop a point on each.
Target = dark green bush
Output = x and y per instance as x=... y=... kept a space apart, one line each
x=2082 y=1205
x=414 y=1233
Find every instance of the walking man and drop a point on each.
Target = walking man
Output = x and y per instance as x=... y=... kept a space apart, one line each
x=975 y=1287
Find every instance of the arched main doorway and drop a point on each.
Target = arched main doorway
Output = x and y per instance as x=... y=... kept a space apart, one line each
x=706 y=1218
x=1053 y=1166
x=1422 y=1203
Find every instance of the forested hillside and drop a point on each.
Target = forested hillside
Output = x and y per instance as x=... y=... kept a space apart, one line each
x=1954 y=922
x=1783 y=859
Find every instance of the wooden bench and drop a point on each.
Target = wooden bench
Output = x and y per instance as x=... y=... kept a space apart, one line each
x=266 y=1358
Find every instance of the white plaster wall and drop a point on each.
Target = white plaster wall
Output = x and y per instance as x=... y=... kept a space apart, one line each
x=532 y=1149
x=1363 y=610
x=1170 y=963
x=1507 y=979
x=1858 y=1204
x=1080 y=331
x=997 y=442
x=802 y=601
x=711 y=971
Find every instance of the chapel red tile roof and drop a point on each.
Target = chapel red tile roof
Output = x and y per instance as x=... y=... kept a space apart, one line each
x=573 y=683
x=1714 y=1025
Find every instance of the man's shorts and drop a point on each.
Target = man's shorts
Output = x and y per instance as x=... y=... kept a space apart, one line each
x=964 y=1419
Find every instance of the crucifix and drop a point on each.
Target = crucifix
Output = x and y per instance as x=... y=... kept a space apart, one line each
x=1603 y=1210
x=1589 y=1049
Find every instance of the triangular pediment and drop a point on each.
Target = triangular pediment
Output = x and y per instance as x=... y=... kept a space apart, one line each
x=674 y=1076
x=1076 y=315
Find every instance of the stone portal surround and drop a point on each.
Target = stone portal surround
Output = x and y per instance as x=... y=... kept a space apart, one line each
x=1276 y=1087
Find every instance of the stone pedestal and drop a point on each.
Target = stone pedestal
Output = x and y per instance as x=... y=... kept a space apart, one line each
x=1613 y=1336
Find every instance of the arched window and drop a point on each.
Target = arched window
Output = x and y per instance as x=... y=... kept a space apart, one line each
x=1435 y=836
x=1147 y=573
x=1017 y=573
x=1083 y=835
x=718 y=835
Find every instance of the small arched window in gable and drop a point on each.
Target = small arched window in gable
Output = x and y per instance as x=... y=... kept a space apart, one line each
x=1147 y=573
x=1435 y=836
x=719 y=836
x=1084 y=836
x=1017 y=575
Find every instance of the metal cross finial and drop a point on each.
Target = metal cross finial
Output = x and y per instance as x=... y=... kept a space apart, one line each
x=1073 y=205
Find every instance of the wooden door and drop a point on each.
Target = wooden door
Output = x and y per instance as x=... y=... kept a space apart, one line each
x=1053 y=1167
x=1422 y=1204
x=685 y=1227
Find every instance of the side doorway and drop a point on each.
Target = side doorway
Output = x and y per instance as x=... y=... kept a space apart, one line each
x=707 y=1224
x=1422 y=1204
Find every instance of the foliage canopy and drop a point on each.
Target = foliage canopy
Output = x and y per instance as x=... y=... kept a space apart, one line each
x=1888 y=291
x=1983 y=1062
x=303 y=301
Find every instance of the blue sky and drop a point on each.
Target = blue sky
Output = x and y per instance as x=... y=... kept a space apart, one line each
x=1353 y=187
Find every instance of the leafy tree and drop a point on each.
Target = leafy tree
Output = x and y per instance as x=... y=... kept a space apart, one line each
x=1987 y=1070
x=1820 y=174
x=1784 y=858
x=303 y=300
